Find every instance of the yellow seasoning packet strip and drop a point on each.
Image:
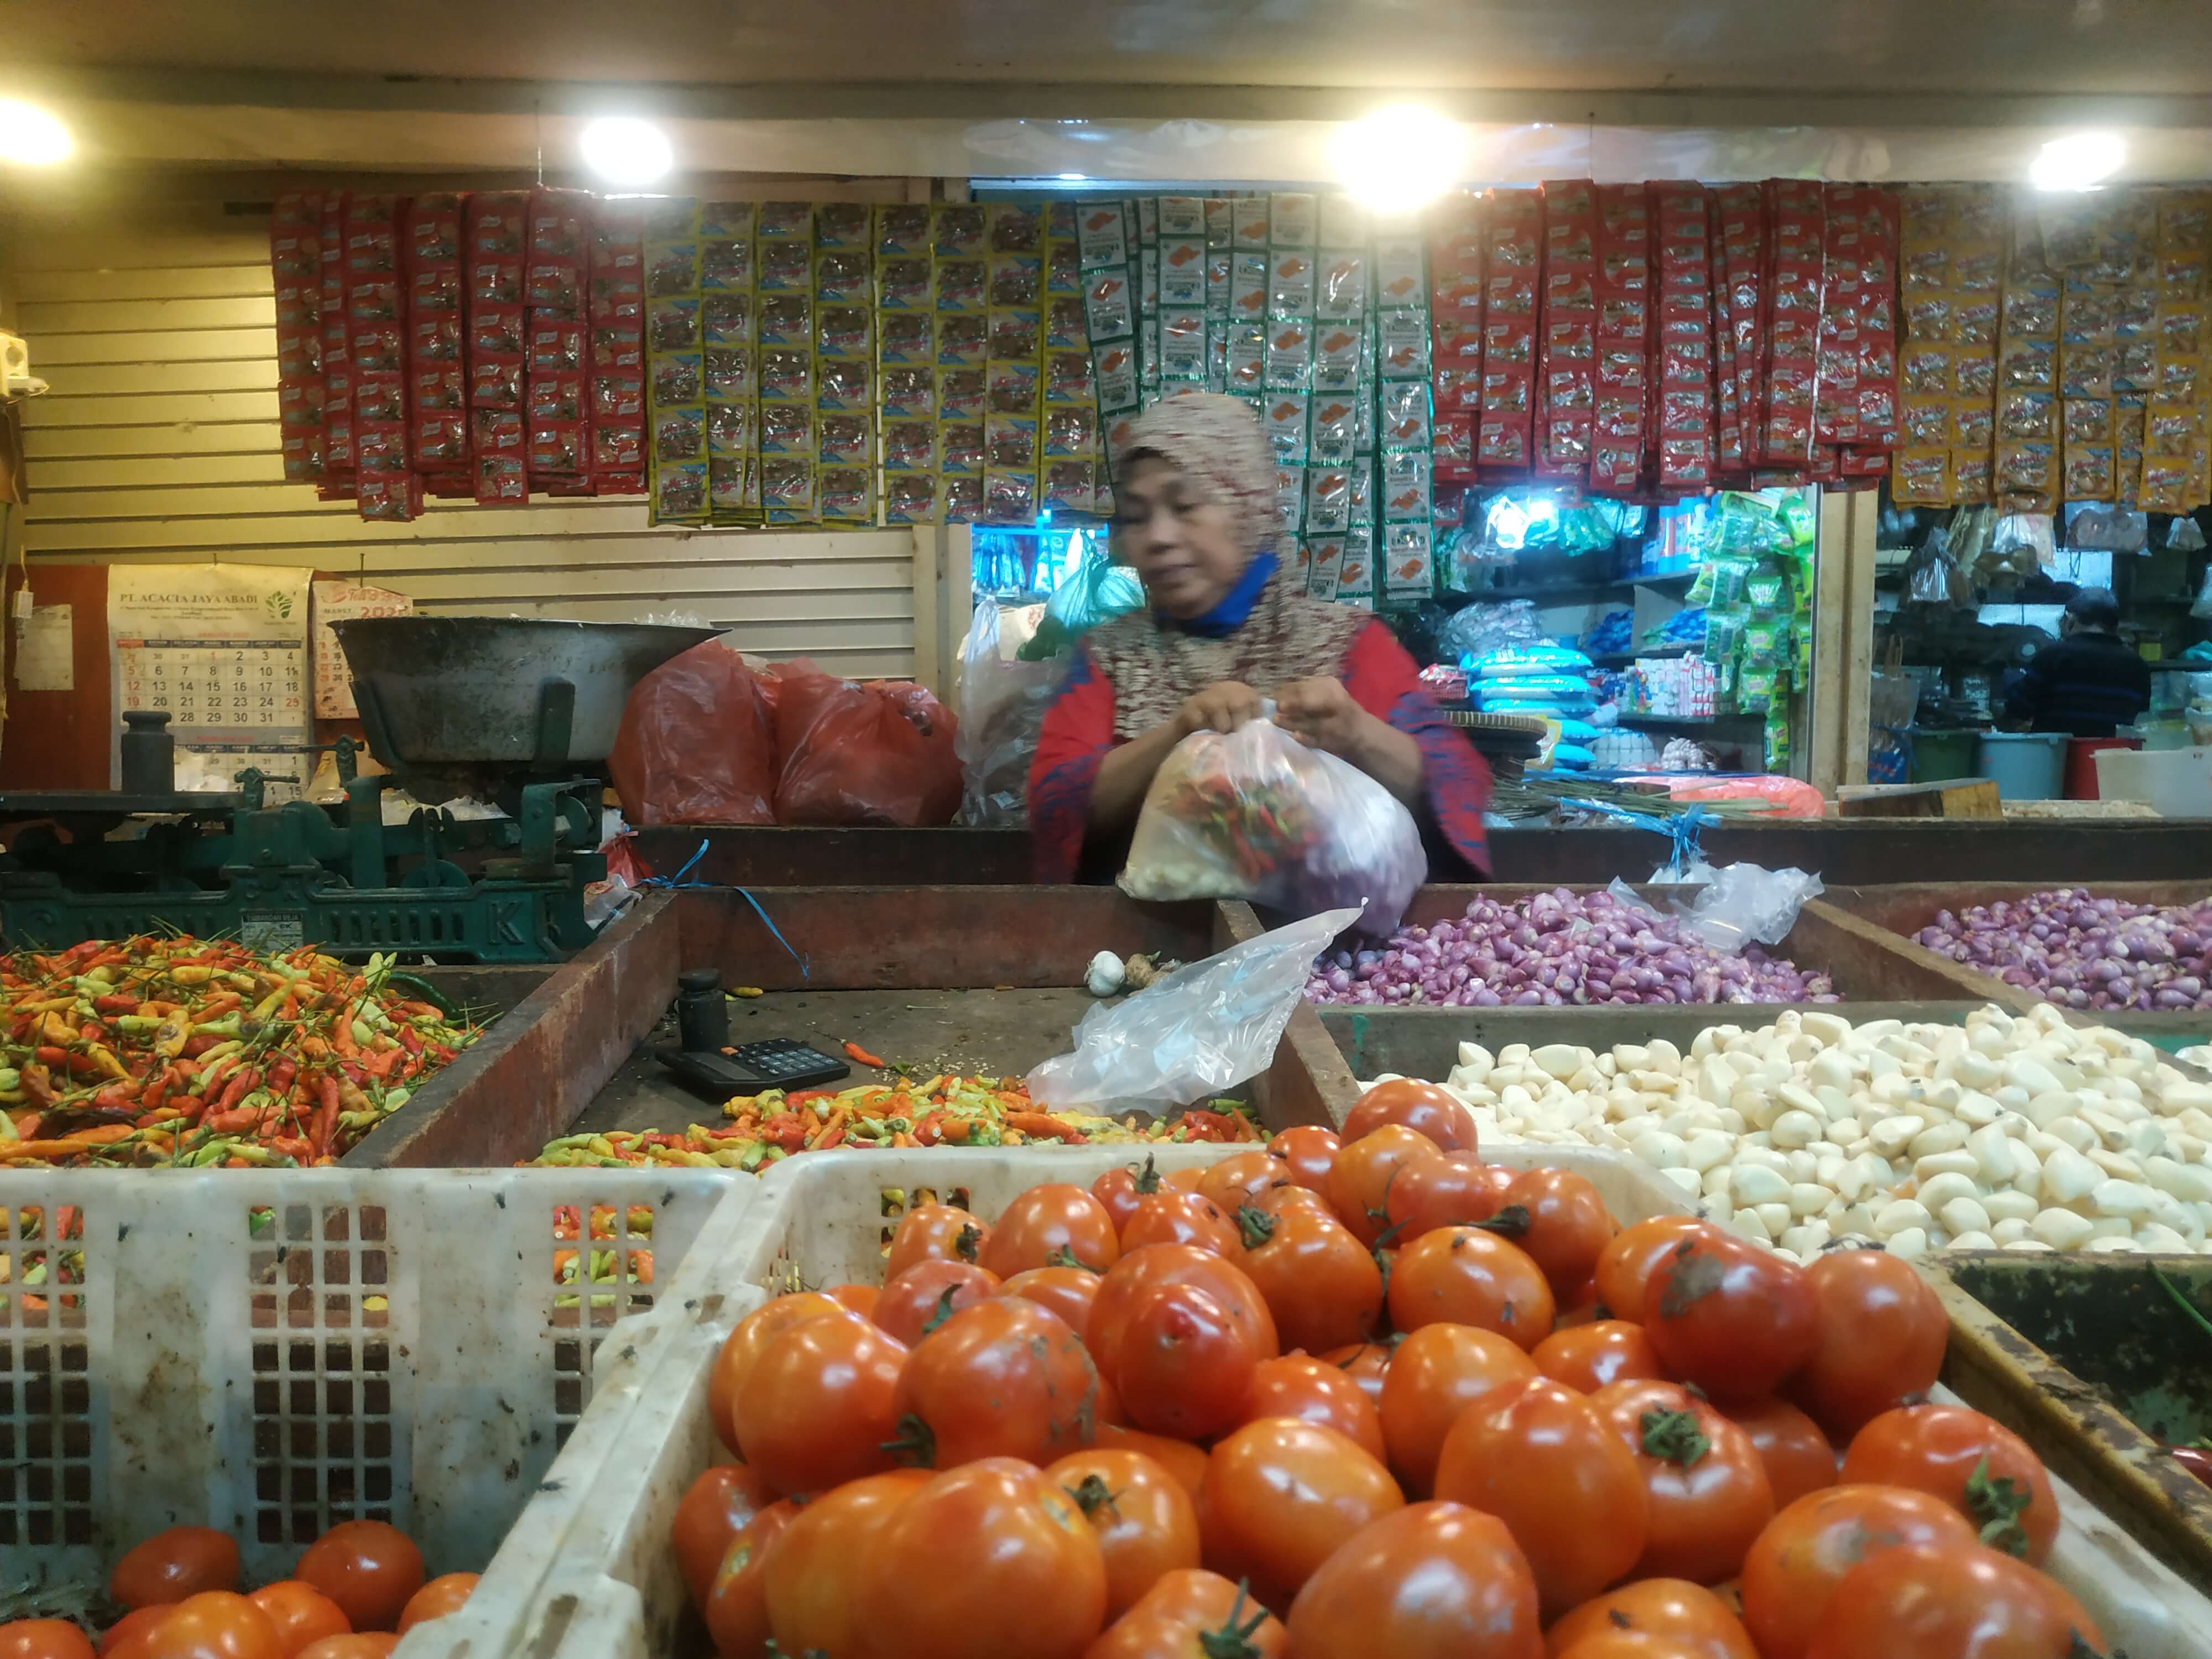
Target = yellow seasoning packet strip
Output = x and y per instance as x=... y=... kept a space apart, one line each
x=729 y=354
x=675 y=428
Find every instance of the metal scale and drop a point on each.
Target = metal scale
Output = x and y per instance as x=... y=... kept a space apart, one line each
x=517 y=712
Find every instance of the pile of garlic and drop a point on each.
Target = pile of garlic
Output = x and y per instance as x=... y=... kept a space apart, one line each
x=2023 y=1133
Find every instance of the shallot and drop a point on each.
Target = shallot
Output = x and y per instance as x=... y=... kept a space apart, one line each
x=2079 y=950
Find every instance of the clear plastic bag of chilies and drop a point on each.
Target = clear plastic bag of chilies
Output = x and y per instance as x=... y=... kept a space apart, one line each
x=1255 y=814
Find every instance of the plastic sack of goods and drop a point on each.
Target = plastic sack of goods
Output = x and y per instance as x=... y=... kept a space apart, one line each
x=1255 y=814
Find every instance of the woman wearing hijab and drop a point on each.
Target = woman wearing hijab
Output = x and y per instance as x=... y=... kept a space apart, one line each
x=1195 y=516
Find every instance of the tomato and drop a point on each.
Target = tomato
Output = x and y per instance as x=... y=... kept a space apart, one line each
x=1118 y=1190
x=369 y=1568
x=1307 y=1153
x=1365 y=1363
x=44 y=1638
x=1455 y=1190
x=1633 y=1644
x=1569 y=1226
x=1069 y=1292
x=1791 y=1449
x=1730 y=1315
x=1427 y=1109
x=928 y=1294
x=1145 y=1522
x=988 y=1561
x=1436 y=1374
x=1194 y=1614
x=361 y=1644
x=133 y=1628
x=859 y=1298
x=1055 y=1225
x=1805 y=1552
x=1241 y=1176
x=1465 y=1276
x=1434 y=1581
x=300 y=1613
x=172 y=1565
x=1951 y=1601
x=736 y=1606
x=1175 y=1217
x=1974 y=1463
x=1538 y=1457
x=935 y=1232
x=714 y=1510
x=818 y=1405
x=1590 y=1356
x=811 y=1577
x=1005 y=1378
x=447 y=1593
x=1359 y=1180
x=1186 y=1363
x=1694 y=1620
x=743 y=1347
x=1578 y=1306
x=1185 y=1461
x=216 y=1625
x=1624 y=1265
x=1313 y=1391
x=1128 y=1280
x=1881 y=1335
x=1280 y=1496
x=1321 y=1284
x=1282 y=1199
x=1188 y=1180
x=1709 y=1493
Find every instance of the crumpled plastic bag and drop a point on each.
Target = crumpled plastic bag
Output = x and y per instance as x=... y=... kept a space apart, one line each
x=1096 y=590
x=1740 y=905
x=697 y=743
x=1255 y=814
x=880 y=752
x=1002 y=706
x=1192 y=1034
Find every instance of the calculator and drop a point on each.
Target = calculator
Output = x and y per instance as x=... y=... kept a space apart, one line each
x=750 y=1067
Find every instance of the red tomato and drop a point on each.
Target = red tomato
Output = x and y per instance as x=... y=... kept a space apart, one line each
x=1307 y=1152
x=1146 y=1525
x=1633 y=1644
x=369 y=1568
x=1192 y=1614
x=1052 y=1226
x=1321 y=1284
x=1313 y=1391
x=1436 y=1374
x=1709 y=1494
x=128 y=1634
x=1280 y=1496
x=216 y=1625
x=1282 y=1198
x=1624 y=1265
x=1569 y=1226
x=1881 y=1336
x=1175 y=1217
x=1118 y=1190
x=1538 y=1457
x=1186 y=1179
x=1128 y=1280
x=172 y=1565
x=1952 y=1601
x=743 y=1347
x=361 y=1644
x=1590 y=1356
x=1795 y=1454
x=988 y=1561
x=446 y=1593
x=1578 y=1306
x=1359 y=1180
x=44 y=1638
x=1434 y=1581
x=928 y=1294
x=1465 y=1276
x=1731 y=1316
x=935 y=1232
x=1005 y=1378
x=1696 y=1622
x=301 y=1613
x=1240 y=1177
x=819 y=1403
x=1974 y=1463
x=1427 y=1109
x=1185 y=1461
x=1455 y=1190
x=714 y=1510
x=1365 y=1363
x=813 y=1575
x=737 y=1603
x=1069 y=1292
x=1804 y=1553
x=861 y=1298
x=1186 y=1363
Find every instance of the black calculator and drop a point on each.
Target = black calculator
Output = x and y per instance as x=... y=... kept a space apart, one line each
x=750 y=1067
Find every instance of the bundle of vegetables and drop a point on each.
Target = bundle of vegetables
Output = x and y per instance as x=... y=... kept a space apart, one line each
x=1554 y=949
x=184 y=1052
x=1342 y=1397
x=2083 y=951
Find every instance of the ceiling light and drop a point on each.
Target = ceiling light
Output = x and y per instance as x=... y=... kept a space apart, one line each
x=624 y=150
x=1072 y=178
x=30 y=137
x=1400 y=158
x=2081 y=161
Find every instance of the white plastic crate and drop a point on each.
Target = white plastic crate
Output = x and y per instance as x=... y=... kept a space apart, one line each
x=271 y=1352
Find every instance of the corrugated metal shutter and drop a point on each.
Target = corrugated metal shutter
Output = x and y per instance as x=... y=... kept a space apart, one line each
x=158 y=444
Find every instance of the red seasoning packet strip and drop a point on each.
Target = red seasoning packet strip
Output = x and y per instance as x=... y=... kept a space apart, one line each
x=1456 y=295
x=1797 y=222
x=556 y=280
x=1743 y=246
x=1621 y=380
x=1512 y=251
x=437 y=377
x=615 y=317
x=1683 y=346
x=336 y=483
x=495 y=232
x=1567 y=346
x=376 y=317
x=296 y=266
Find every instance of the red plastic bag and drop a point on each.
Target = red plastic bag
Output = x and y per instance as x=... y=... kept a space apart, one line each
x=882 y=752
x=697 y=743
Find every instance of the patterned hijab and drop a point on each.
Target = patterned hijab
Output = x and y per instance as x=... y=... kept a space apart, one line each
x=1217 y=440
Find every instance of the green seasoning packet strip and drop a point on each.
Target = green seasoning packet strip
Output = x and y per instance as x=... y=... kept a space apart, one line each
x=1404 y=418
x=906 y=379
x=1102 y=232
x=1071 y=483
x=1014 y=353
x=1220 y=221
x=675 y=371
x=844 y=364
x=959 y=291
x=1342 y=296
x=785 y=254
x=1147 y=271
x=729 y=276
x=1286 y=376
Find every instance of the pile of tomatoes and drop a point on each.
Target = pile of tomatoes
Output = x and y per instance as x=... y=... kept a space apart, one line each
x=1360 y=1395
x=356 y=1591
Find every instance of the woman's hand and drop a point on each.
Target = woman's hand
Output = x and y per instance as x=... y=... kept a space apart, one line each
x=1222 y=707
x=1321 y=713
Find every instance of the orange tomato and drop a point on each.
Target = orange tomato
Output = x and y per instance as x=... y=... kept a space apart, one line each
x=369 y=1568
x=1688 y=1617
x=1435 y=1375
x=1313 y=1391
x=443 y=1595
x=1055 y=1225
x=1589 y=1357
x=743 y=1347
x=173 y=1564
x=1427 y=1109
x=934 y=1232
x=1307 y=1152
x=714 y=1510
x=216 y=1625
x=44 y=1638
x=1146 y=1525
x=301 y=1613
x=1466 y=1276
x=1359 y=1180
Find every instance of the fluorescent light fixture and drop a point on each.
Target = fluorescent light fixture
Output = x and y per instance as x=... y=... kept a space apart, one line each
x=1400 y=158
x=1071 y=177
x=2081 y=161
x=31 y=137
x=624 y=150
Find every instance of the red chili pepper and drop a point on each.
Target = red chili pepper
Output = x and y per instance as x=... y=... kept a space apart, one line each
x=326 y=1119
x=238 y=1089
x=410 y=1039
x=861 y=1055
x=116 y=1004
